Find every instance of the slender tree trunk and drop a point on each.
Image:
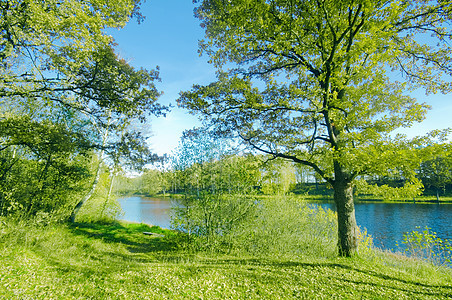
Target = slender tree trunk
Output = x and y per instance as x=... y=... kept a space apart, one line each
x=90 y=193
x=96 y=178
x=36 y=197
x=347 y=228
x=110 y=189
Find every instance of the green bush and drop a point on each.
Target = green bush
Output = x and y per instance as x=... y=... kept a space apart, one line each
x=209 y=220
x=427 y=246
x=270 y=226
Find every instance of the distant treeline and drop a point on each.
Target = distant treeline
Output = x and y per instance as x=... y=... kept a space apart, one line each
x=259 y=174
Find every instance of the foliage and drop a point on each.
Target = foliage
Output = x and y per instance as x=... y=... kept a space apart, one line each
x=257 y=226
x=47 y=185
x=64 y=95
x=426 y=245
x=310 y=82
x=408 y=191
x=211 y=220
x=151 y=182
x=436 y=172
x=284 y=226
x=203 y=163
x=102 y=206
x=278 y=177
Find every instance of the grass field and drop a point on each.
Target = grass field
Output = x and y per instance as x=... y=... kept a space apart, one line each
x=118 y=261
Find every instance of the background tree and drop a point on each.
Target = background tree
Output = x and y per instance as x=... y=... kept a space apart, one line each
x=43 y=166
x=278 y=177
x=62 y=84
x=216 y=184
x=312 y=82
x=436 y=173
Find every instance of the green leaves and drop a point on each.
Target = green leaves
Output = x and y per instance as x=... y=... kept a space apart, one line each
x=43 y=138
x=311 y=81
x=64 y=92
x=112 y=85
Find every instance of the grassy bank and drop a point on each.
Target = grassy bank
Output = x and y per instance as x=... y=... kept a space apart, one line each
x=366 y=199
x=360 y=198
x=118 y=261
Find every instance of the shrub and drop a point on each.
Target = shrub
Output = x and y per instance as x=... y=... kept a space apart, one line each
x=208 y=220
x=427 y=246
x=276 y=226
x=285 y=226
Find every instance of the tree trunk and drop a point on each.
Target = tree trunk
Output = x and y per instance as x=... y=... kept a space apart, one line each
x=96 y=178
x=90 y=193
x=347 y=228
x=110 y=189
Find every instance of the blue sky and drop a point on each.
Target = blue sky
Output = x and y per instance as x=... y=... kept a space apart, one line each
x=168 y=38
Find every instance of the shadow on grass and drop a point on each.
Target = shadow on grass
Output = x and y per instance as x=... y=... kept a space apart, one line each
x=130 y=235
x=338 y=274
x=94 y=261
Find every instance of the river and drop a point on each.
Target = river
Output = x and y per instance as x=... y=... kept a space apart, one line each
x=385 y=222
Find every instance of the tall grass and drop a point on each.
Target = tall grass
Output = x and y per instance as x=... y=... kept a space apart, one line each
x=280 y=226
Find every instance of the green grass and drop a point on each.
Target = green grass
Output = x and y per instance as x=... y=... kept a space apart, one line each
x=117 y=261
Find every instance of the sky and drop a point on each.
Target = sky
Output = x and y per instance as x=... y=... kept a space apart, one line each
x=168 y=38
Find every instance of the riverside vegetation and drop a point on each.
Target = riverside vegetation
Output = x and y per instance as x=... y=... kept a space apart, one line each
x=291 y=255
x=70 y=115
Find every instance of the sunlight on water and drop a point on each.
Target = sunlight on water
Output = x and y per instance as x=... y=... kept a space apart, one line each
x=385 y=222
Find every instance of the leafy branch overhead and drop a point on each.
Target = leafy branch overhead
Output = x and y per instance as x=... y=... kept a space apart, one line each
x=66 y=96
x=57 y=54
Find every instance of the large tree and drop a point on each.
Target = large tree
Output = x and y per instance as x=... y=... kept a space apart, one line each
x=59 y=73
x=315 y=82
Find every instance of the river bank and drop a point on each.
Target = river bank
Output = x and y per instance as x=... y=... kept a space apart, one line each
x=358 y=199
x=117 y=261
x=387 y=223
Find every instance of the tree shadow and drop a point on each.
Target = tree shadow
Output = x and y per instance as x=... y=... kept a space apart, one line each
x=132 y=236
x=342 y=275
x=148 y=249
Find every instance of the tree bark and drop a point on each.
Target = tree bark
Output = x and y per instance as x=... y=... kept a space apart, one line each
x=97 y=176
x=347 y=228
x=90 y=193
x=110 y=189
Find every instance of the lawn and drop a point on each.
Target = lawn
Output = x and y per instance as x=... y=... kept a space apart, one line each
x=118 y=261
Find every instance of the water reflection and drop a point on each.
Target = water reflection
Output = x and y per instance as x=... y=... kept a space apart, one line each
x=385 y=222
x=153 y=211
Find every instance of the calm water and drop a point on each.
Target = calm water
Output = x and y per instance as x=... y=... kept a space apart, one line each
x=386 y=222
x=153 y=211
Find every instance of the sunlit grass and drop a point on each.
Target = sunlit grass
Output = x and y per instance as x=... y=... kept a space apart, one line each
x=118 y=261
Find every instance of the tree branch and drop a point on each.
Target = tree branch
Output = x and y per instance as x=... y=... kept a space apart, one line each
x=290 y=157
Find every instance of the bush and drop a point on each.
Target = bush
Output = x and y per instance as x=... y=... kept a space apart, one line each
x=276 y=226
x=209 y=220
x=427 y=246
x=285 y=226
